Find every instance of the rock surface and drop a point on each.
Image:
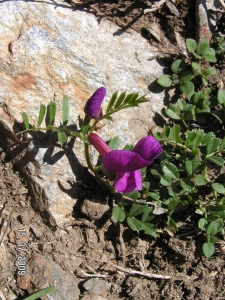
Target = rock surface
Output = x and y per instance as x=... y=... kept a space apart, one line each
x=48 y=50
x=96 y=286
x=42 y=272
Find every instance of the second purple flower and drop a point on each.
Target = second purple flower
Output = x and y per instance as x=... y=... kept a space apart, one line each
x=126 y=164
x=93 y=105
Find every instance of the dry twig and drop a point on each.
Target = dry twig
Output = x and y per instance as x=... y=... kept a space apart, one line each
x=145 y=274
x=155 y=6
x=157 y=210
x=93 y=273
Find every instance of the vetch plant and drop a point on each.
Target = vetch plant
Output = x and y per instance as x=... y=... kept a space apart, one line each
x=127 y=164
x=190 y=180
x=124 y=164
x=176 y=175
x=197 y=101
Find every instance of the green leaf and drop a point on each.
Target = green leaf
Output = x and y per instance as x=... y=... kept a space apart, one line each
x=114 y=143
x=133 y=195
x=181 y=104
x=219 y=188
x=52 y=113
x=128 y=147
x=217 y=210
x=85 y=125
x=61 y=137
x=196 y=67
x=193 y=140
x=178 y=66
x=186 y=77
x=165 y=80
x=120 y=100
x=207 y=137
x=166 y=180
x=191 y=165
x=154 y=196
x=204 y=81
x=197 y=98
x=65 y=110
x=131 y=98
x=202 y=47
x=41 y=114
x=217 y=114
x=136 y=210
x=216 y=160
x=172 y=223
x=221 y=96
x=148 y=229
x=111 y=102
x=134 y=224
x=171 y=170
x=209 y=72
x=40 y=293
x=187 y=87
x=199 y=179
x=49 y=127
x=171 y=114
x=212 y=239
x=202 y=223
x=173 y=203
x=174 y=108
x=166 y=131
x=175 y=134
x=219 y=223
x=174 y=78
x=191 y=45
x=173 y=190
x=209 y=55
x=222 y=145
x=187 y=184
x=212 y=228
x=208 y=249
x=189 y=112
x=25 y=119
x=145 y=216
x=118 y=214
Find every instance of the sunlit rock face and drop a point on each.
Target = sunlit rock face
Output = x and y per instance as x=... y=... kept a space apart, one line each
x=48 y=50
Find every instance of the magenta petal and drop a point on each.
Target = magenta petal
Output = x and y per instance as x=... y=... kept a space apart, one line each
x=92 y=106
x=123 y=161
x=128 y=182
x=98 y=143
x=148 y=148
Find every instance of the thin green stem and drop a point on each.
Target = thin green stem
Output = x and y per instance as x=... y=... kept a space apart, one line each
x=93 y=126
x=87 y=157
x=184 y=123
x=205 y=174
x=90 y=166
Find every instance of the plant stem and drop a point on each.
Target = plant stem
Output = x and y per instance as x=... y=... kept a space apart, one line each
x=90 y=166
x=93 y=126
x=87 y=157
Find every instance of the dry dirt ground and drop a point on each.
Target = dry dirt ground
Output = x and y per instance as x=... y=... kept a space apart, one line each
x=124 y=265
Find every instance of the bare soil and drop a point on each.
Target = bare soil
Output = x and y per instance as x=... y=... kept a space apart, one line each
x=92 y=244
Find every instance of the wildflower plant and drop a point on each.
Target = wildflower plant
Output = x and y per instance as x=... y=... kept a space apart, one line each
x=174 y=175
x=190 y=180
x=121 y=166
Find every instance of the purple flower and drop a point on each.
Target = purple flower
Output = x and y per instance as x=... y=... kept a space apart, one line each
x=92 y=107
x=126 y=164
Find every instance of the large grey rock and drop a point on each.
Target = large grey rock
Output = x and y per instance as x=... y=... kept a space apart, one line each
x=42 y=272
x=48 y=50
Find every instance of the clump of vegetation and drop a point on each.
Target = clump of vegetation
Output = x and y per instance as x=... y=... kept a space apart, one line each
x=154 y=189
